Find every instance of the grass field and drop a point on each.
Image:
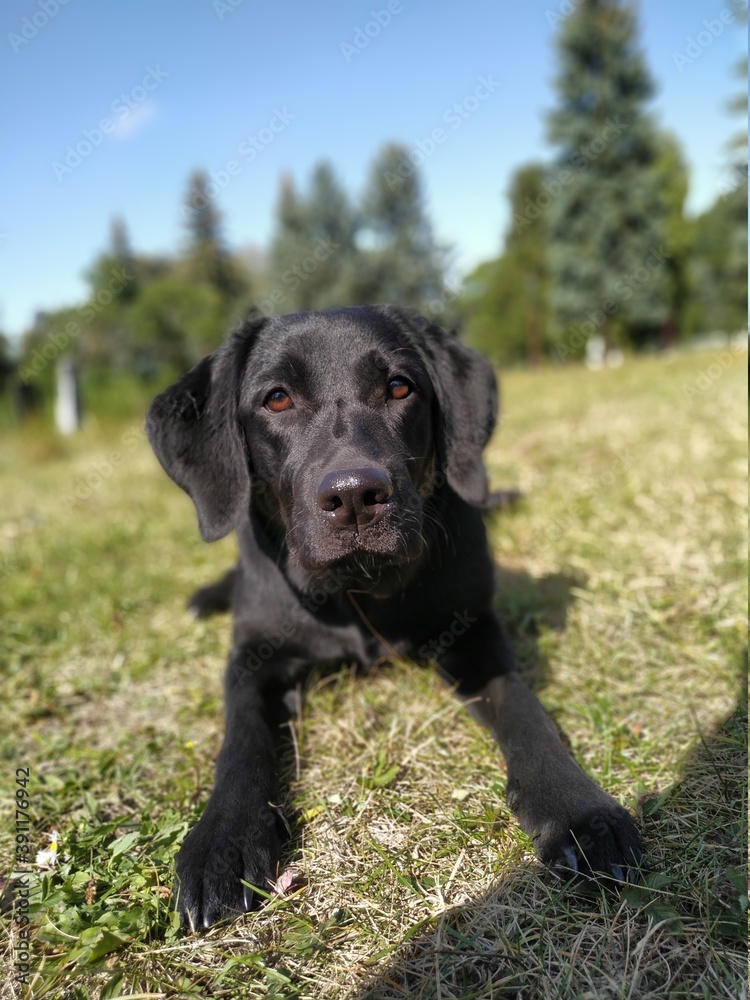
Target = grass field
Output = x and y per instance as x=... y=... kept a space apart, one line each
x=623 y=583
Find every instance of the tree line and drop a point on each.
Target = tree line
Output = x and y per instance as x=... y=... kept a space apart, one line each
x=598 y=242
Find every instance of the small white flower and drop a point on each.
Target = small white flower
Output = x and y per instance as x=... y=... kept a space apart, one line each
x=48 y=857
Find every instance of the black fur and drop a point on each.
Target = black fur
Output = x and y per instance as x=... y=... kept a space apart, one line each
x=395 y=549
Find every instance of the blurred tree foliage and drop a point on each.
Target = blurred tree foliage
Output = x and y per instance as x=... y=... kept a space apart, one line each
x=599 y=241
x=609 y=215
x=6 y=361
x=154 y=316
x=326 y=252
x=400 y=259
x=506 y=300
x=718 y=264
x=313 y=246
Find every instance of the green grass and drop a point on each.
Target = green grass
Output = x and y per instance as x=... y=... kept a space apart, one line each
x=623 y=583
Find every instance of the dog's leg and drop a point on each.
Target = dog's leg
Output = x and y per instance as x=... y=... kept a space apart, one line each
x=576 y=827
x=214 y=598
x=240 y=833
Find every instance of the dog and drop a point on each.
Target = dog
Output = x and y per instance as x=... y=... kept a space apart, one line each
x=345 y=449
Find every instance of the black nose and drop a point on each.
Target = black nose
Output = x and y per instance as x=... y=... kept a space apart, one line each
x=355 y=498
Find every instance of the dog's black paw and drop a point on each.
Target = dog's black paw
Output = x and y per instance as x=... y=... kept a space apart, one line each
x=580 y=832
x=217 y=857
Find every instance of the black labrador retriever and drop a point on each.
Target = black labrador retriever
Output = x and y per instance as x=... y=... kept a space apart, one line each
x=345 y=447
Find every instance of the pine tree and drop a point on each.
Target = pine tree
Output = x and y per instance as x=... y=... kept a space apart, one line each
x=402 y=263
x=736 y=196
x=202 y=218
x=289 y=247
x=332 y=228
x=606 y=210
x=527 y=248
x=506 y=299
x=672 y=173
x=207 y=259
x=119 y=240
x=313 y=246
x=718 y=266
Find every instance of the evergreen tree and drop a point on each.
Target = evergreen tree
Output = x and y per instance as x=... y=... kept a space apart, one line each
x=313 y=246
x=207 y=259
x=289 y=247
x=607 y=213
x=120 y=249
x=332 y=228
x=114 y=271
x=7 y=365
x=401 y=262
x=202 y=217
x=506 y=299
x=736 y=263
x=718 y=267
x=672 y=175
x=527 y=248
x=106 y=338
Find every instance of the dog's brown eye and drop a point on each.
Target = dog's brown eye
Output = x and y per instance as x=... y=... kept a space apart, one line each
x=277 y=401
x=398 y=388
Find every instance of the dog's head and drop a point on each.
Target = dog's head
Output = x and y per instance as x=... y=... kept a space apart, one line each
x=337 y=426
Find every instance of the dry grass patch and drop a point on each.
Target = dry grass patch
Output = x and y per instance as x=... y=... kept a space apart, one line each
x=623 y=583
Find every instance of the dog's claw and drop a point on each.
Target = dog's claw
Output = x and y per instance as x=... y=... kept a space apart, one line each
x=569 y=861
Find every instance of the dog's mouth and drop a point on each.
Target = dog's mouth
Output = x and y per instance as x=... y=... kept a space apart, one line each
x=378 y=566
x=380 y=575
x=356 y=553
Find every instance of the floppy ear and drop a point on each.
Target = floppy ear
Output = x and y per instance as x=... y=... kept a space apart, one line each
x=466 y=391
x=194 y=431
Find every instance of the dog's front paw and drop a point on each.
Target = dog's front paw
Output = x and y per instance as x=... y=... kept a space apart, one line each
x=216 y=856
x=580 y=832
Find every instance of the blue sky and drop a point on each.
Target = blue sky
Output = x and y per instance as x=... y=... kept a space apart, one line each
x=154 y=88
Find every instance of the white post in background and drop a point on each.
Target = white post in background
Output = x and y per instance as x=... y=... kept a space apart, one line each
x=68 y=401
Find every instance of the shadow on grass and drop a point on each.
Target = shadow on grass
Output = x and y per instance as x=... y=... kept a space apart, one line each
x=680 y=932
x=527 y=606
